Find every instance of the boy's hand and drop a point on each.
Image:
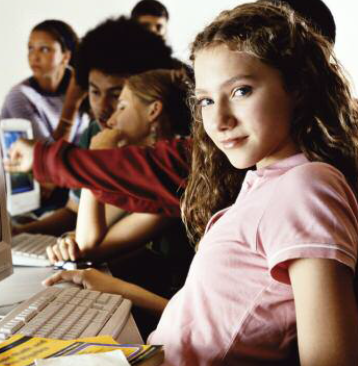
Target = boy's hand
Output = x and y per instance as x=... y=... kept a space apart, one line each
x=21 y=157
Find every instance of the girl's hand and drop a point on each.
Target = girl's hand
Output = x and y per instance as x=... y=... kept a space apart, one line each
x=106 y=139
x=21 y=157
x=65 y=249
x=90 y=279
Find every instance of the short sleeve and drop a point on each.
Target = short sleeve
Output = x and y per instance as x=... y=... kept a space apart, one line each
x=312 y=214
x=18 y=105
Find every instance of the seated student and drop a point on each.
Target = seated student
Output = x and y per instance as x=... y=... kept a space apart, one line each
x=274 y=142
x=152 y=106
x=153 y=15
x=102 y=70
x=139 y=247
x=51 y=52
x=166 y=165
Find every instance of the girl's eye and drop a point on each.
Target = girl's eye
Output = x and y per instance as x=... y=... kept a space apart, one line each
x=204 y=102
x=120 y=107
x=242 y=91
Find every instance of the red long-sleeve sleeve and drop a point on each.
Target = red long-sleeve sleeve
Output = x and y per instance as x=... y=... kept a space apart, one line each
x=135 y=178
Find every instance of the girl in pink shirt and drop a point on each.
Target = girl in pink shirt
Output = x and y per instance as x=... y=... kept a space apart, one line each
x=275 y=139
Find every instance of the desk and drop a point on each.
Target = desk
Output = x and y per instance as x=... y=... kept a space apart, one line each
x=26 y=282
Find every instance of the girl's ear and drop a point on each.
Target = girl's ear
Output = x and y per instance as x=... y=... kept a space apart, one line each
x=155 y=110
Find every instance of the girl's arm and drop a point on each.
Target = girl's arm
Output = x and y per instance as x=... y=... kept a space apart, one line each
x=91 y=224
x=326 y=311
x=129 y=234
x=98 y=238
x=94 y=280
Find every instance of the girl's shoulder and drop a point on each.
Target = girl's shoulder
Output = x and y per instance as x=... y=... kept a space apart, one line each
x=314 y=174
x=20 y=91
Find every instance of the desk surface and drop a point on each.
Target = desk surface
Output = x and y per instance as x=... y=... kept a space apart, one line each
x=26 y=282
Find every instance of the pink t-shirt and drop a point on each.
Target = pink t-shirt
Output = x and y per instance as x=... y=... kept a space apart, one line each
x=236 y=307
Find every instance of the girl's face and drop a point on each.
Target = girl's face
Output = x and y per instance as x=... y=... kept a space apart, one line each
x=132 y=118
x=245 y=109
x=45 y=55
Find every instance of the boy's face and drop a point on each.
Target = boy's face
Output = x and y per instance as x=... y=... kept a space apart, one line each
x=104 y=90
x=157 y=25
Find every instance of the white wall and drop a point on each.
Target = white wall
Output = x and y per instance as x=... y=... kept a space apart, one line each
x=17 y=17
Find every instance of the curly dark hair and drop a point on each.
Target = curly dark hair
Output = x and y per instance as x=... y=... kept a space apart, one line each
x=324 y=124
x=63 y=33
x=149 y=7
x=121 y=46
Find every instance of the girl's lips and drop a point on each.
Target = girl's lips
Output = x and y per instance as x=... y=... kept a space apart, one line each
x=235 y=142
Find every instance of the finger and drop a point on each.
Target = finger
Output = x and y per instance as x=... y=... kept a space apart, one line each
x=57 y=277
x=11 y=166
x=73 y=250
x=69 y=276
x=57 y=252
x=51 y=255
x=63 y=247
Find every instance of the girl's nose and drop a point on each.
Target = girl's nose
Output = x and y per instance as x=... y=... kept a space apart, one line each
x=225 y=118
x=111 y=123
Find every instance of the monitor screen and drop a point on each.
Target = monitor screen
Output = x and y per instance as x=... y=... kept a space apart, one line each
x=20 y=182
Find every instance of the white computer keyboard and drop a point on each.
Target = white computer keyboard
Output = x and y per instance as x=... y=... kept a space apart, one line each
x=30 y=249
x=68 y=313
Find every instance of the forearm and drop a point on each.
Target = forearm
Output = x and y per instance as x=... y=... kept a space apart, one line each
x=129 y=234
x=91 y=225
x=71 y=106
x=134 y=178
x=142 y=298
x=56 y=224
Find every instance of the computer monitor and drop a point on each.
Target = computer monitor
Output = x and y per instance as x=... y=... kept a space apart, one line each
x=23 y=192
x=5 y=236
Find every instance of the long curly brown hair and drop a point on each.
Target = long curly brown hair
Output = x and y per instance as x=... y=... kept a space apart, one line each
x=324 y=125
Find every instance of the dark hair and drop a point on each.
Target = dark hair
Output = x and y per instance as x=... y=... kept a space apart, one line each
x=63 y=33
x=121 y=46
x=325 y=119
x=149 y=7
x=317 y=13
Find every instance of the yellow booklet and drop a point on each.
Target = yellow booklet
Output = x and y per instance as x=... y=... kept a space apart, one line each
x=22 y=351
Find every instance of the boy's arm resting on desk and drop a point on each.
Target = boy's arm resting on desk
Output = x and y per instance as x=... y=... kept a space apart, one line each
x=95 y=280
x=151 y=178
x=56 y=223
x=326 y=311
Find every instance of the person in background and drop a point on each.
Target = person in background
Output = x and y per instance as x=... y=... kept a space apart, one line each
x=275 y=161
x=102 y=68
x=52 y=48
x=153 y=15
x=150 y=250
x=152 y=106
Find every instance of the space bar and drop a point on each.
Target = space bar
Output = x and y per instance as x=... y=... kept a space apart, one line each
x=118 y=320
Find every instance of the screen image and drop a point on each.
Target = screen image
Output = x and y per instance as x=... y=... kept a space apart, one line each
x=20 y=182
